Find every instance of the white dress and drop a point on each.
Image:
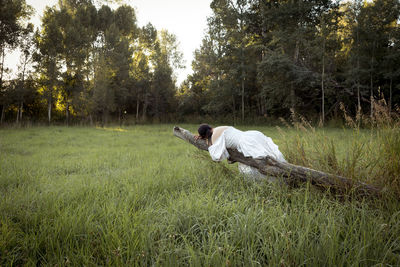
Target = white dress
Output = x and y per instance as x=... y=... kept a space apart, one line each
x=250 y=143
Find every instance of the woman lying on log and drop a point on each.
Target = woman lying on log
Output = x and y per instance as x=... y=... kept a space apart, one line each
x=271 y=165
x=252 y=144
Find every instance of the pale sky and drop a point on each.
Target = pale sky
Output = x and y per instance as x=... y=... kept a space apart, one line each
x=187 y=19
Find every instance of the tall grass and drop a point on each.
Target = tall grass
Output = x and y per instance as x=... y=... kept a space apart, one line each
x=139 y=196
x=370 y=155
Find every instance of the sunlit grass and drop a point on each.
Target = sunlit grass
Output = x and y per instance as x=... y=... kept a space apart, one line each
x=112 y=129
x=139 y=196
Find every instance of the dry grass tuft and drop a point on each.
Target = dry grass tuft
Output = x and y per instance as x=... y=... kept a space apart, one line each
x=371 y=154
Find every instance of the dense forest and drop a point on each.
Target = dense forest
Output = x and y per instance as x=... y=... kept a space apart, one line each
x=258 y=59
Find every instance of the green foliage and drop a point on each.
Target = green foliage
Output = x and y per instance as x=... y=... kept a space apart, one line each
x=258 y=59
x=12 y=15
x=139 y=196
x=273 y=56
x=49 y=44
x=14 y=31
x=85 y=67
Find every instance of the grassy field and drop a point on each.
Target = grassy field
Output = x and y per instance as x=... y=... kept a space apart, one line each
x=139 y=196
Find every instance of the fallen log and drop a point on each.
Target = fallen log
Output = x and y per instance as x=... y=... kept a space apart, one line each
x=290 y=173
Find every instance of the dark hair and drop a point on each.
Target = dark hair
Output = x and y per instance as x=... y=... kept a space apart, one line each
x=205 y=131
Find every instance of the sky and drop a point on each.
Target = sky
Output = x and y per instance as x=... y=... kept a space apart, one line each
x=187 y=19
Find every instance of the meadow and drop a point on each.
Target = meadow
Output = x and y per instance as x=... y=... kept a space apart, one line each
x=139 y=196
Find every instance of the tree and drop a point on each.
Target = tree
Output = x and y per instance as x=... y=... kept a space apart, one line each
x=350 y=34
x=122 y=80
x=103 y=97
x=49 y=43
x=291 y=28
x=388 y=45
x=121 y=57
x=371 y=39
x=146 y=45
x=164 y=56
x=12 y=15
x=113 y=80
x=264 y=55
x=215 y=75
x=233 y=17
x=142 y=77
x=27 y=47
x=78 y=27
x=390 y=63
x=325 y=51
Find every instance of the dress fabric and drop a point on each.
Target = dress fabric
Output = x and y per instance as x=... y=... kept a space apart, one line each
x=250 y=143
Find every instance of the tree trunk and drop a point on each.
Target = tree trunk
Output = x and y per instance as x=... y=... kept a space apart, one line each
x=358 y=98
x=358 y=76
x=145 y=107
x=263 y=31
x=67 y=113
x=242 y=74
x=104 y=118
x=264 y=105
x=91 y=119
x=322 y=85
x=20 y=111
x=291 y=174
x=372 y=97
x=2 y=66
x=17 y=120
x=137 y=109
x=49 y=109
x=242 y=100
x=371 y=81
x=3 y=110
x=390 y=95
x=239 y=9
x=292 y=90
x=233 y=110
x=119 y=117
x=157 y=105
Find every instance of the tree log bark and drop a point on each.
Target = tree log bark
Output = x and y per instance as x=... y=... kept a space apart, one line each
x=290 y=173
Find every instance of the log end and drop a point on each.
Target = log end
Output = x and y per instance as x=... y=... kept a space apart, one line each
x=189 y=137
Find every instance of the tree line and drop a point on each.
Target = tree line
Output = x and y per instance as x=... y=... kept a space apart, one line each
x=258 y=58
x=89 y=63
x=271 y=58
